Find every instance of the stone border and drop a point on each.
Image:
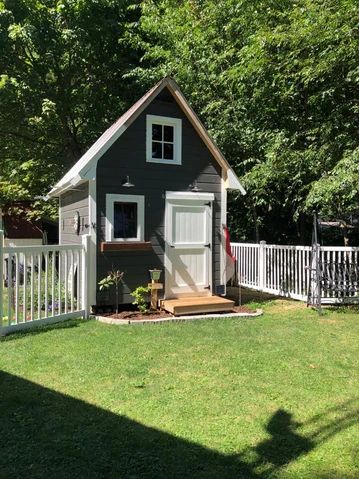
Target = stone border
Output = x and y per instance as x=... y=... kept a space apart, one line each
x=174 y=319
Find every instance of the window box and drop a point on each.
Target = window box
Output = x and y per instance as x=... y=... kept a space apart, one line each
x=126 y=246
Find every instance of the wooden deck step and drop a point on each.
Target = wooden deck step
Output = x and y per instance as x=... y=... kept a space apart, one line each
x=197 y=304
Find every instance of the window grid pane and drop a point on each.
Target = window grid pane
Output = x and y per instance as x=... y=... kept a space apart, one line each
x=162 y=142
x=157 y=132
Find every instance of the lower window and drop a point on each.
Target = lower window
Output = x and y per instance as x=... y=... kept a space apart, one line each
x=124 y=217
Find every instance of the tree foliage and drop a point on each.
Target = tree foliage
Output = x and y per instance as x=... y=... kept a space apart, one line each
x=276 y=83
x=62 y=67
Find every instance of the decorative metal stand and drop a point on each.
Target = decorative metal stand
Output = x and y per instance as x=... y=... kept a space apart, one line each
x=337 y=277
x=315 y=281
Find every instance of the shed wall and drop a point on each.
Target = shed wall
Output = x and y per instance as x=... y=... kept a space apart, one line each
x=127 y=156
x=70 y=202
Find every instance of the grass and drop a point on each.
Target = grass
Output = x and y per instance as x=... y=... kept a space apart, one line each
x=271 y=397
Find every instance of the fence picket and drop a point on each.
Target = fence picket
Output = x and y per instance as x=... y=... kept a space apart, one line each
x=46 y=283
x=53 y=268
x=17 y=281
x=32 y=285
x=9 y=288
x=39 y=302
x=24 y=297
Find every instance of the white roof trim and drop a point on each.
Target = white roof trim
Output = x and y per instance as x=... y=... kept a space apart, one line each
x=233 y=182
x=85 y=168
x=189 y=195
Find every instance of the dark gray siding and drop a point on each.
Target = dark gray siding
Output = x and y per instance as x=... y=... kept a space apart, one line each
x=70 y=202
x=128 y=157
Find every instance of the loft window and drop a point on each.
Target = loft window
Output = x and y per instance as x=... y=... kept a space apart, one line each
x=164 y=139
x=125 y=217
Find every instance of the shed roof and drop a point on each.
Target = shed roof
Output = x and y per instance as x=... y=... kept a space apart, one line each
x=85 y=168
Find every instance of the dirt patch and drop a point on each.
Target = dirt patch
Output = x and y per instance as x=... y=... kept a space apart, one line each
x=281 y=305
x=242 y=309
x=137 y=316
x=328 y=321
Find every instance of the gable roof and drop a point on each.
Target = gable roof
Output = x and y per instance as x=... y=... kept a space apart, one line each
x=85 y=168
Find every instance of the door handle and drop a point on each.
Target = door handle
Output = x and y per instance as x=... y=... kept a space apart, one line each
x=208 y=245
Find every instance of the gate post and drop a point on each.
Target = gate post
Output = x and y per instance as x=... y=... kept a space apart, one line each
x=85 y=274
x=262 y=265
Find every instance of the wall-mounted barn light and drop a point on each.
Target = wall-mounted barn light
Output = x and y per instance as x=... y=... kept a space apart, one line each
x=194 y=187
x=127 y=183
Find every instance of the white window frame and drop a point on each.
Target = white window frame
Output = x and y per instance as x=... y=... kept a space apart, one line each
x=111 y=199
x=177 y=138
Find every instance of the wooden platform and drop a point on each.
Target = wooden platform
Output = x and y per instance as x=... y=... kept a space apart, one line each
x=197 y=304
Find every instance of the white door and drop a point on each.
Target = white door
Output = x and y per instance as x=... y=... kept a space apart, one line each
x=188 y=238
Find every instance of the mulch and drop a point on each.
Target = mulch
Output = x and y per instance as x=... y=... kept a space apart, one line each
x=136 y=315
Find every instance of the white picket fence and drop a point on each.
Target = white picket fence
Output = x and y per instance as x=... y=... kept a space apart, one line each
x=285 y=270
x=42 y=284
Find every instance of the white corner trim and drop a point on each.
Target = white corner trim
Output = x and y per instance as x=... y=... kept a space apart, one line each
x=60 y=220
x=92 y=254
x=188 y=195
x=109 y=220
x=177 y=138
x=223 y=224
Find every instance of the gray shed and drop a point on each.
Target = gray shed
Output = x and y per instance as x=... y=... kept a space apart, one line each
x=152 y=193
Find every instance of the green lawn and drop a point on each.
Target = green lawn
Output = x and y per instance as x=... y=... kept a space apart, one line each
x=271 y=397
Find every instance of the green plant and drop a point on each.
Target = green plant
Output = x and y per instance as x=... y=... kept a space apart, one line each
x=140 y=297
x=113 y=278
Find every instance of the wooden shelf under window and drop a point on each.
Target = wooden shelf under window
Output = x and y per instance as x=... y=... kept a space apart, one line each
x=125 y=246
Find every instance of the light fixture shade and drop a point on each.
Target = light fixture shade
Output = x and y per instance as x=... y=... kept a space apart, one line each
x=194 y=187
x=127 y=183
x=155 y=274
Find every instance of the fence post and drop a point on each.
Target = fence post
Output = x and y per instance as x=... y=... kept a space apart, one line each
x=262 y=265
x=1 y=277
x=85 y=276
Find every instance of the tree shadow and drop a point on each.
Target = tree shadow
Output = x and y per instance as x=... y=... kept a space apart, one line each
x=285 y=444
x=46 y=434
x=247 y=295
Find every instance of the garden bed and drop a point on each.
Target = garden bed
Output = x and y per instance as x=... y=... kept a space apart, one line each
x=136 y=317
x=149 y=315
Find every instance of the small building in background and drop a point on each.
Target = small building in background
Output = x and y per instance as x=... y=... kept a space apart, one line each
x=22 y=230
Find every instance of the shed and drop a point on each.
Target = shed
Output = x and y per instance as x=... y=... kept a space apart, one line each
x=152 y=193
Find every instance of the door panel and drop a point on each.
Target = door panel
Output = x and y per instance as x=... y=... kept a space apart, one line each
x=188 y=224
x=188 y=232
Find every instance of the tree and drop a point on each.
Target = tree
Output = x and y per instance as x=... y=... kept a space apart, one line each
x=62 y=69
x=276 y=83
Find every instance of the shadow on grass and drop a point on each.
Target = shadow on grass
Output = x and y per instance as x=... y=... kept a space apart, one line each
x=246 y=295
x=40 y=329
x=343 y=308
x=45 y=434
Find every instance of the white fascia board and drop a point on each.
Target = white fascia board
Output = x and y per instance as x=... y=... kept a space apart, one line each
x=189 y=195
x=76 y=180
x=233 y=182
x=56 y=192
